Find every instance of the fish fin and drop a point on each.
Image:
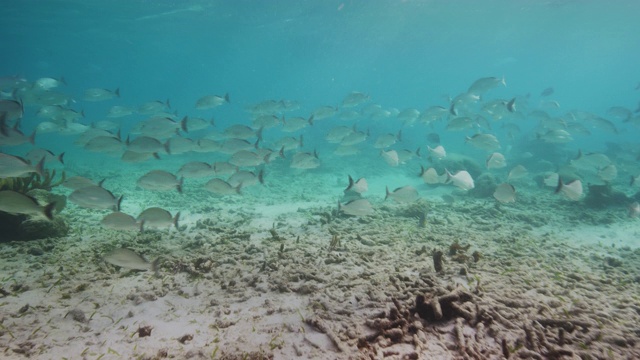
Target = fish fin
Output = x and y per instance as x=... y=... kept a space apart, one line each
x=350 y=184
x=388 y=193
x=226 y=98
x=62 y=80
x=399 y=136
x=422 y=170
x=239 y=188
x=32 y=138
x=633 y=180
x=156 y=156
x=281 y=153
x=213 y=122
x=40 y=167
x=168 y=103
x=176 y=219
x=183 y=124
x=311 y=120
x=261 y=176
x=61 y=158
x=117 y=206
x=142 y=226
x=128 y=141
x=102 y=182
x=259 y=135
x=167 y=147
x=301 y=141
x=179 y=186
x=418 y=152
x=48 y=210
x=315 y=154
x=117 y=92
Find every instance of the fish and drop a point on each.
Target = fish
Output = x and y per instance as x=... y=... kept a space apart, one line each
x=224 y=168
x=557 y=136
x=634 y=210
x=158 y=218
x=460 y=123
x=145 y=144
x=511 y=105
x=620 y=112
x=608 y=173
x=78 y=182
x=590 y=161
x=390 y=157
x=14 y=202
x=360 y=186
x=12 y=110
x=496 y=161
x=118 y=111
x=159 y=127
x=211 y=101
x=95 y=197
x=290 y=143
x=104 y=144
x=338 y=133
x=37 y=154
x=548 y=91
x=136 y=157
x=305 y=160
x=462 y=179
x=324 y=112
x=246 y=158
x=386 y=140
x=195 y=123
x=551 y=179
x=14 y=166
x=433 y=138
x=517 y=172
x=354 y=138
x=354 y=99
x=358 y=207
x=296 y=123
x=232 y=146
x=153 y=107
x=348 y=115
x=505 y=193
x=408 y=116
x=47 y=83
x=97 y=94
x=487 y=142
x=207 y=145
x=635 y=181
x=571 y=190
x=482 y=85
x=437 y=153
x=265 y=122
x=195 y=169
x=128 y=259
x=105 y=125
x=120 y=221
x=346 y=150
x=160 y=180
x=180 y=145
x=246 y=178
x=239 y=131
x=433 y=113
x=221 y=187
x=430 y=176
x=403 y=194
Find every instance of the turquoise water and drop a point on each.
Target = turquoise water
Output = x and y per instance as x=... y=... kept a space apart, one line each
x=563 y=101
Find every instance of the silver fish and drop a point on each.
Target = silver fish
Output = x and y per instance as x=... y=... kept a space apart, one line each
x=97 y=94
x=505 y=193
x=160 y=180
x=403 y=194
x=95 y=197
x=158 y=218
x=195 y=169
x=358 y=207
x=129 y=259
x=121 y=221
x=13 y=166
x=211 y=101
x=221 y=187
x=16 y=203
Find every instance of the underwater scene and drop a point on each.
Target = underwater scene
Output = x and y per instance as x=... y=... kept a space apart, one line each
x=320 y=179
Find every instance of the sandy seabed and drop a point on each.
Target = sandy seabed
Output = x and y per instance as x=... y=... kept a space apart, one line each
x=278 y=274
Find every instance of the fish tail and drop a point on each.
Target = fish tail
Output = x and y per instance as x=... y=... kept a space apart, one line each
x=179 y=186
x=421 y=170
x=117 y=206
x=226 y=98
x=32 y=137
x=261 y=176
x=183 y=124
x=560 y=185
x=61 y=158
x=48 y=210
x=633 y=180
x=311 y=120
x=40 y=167
x=388 y=193
x=301 y=141
x=141 y=226
x=117 y=92
x=281 y=153
x=176 y=219
x=350 y=184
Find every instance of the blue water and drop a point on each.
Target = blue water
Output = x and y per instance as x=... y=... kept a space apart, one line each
x=405 y=54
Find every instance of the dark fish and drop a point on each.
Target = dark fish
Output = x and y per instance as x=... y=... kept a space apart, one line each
x=546 y=92
x=433 y=138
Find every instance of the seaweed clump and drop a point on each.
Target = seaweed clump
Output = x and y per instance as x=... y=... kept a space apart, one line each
x=32 y=182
